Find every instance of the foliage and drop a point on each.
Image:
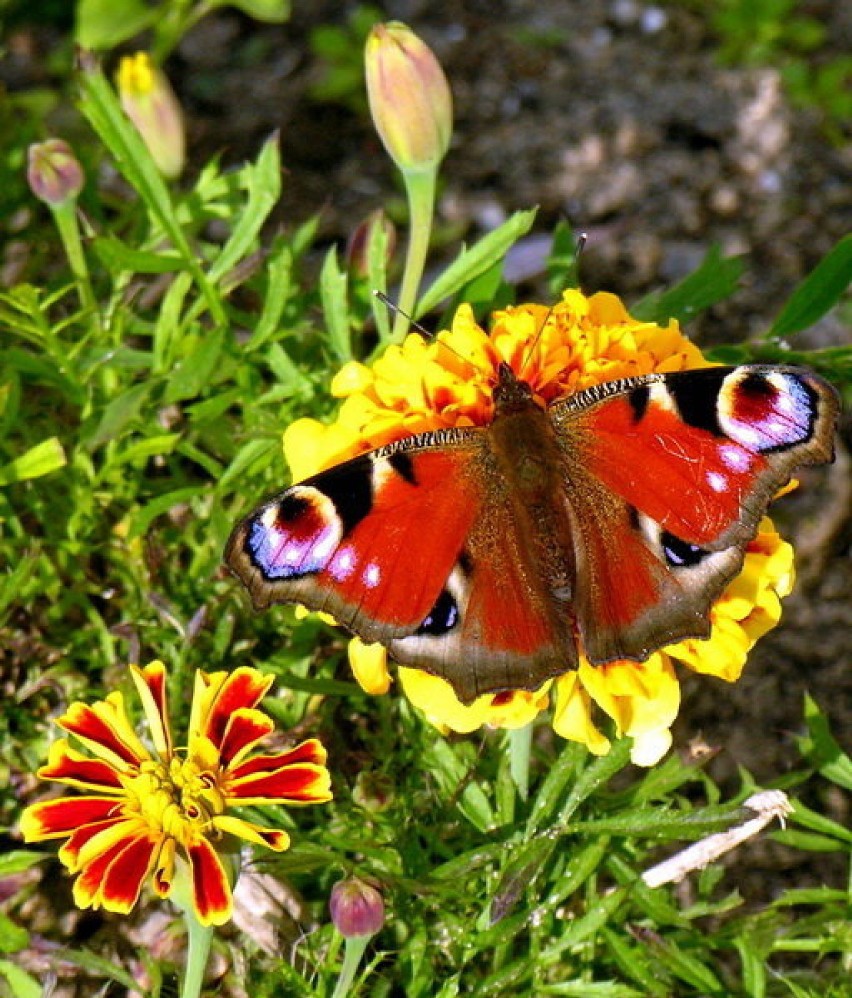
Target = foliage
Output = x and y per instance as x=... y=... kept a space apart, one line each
x=135 y=434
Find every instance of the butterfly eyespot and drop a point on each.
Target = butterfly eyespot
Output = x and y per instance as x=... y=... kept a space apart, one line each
x=681 y=554
x=443 y=616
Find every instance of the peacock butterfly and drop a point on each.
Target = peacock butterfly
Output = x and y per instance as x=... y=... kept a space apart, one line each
x=615 y=517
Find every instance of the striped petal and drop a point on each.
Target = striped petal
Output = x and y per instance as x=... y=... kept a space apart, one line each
x=54 y=818
x=272 y=838
x=210 y=887
x=114 y=879
x=300 y=784
x=245 y=729
x=311 y=751
x=105 y=729
x=65 y=765
x=244 y=687
x=151 y=686
x=69 y=854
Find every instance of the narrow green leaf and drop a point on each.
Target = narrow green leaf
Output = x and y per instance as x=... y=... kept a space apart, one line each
x=596 y=774
x=253 y=456
x=523 y=867
x=168 y=327
x=22 y=985
x=452 y=775
x=279 y=277
x=587 y=926
x=563 y=260
x=148 y=447
x=123 y=410
x=584 y=862
x=44 y=458
x=18 y=860
x=196 y=370
x=821 y=750
x=472 y=262
x=560 y=773
x=335 y=307
x=270 y=11
x=634 y=963
x=13 y=937
x=263 y=180
x=753 y=968
x=816 y=822
x=119 y=258
x=142 y=518
x=715 y=279
x=684 y=965
x=819 y=291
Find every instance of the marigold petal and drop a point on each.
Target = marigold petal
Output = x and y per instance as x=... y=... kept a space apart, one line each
x=52 y=819
x=163 y=874
x=245 y=728
x=210 y=886
x=151 y=686
x=273 y=838
x=243 y=688
x=69 y=853
x=301 y=784
x=105 y=729
x=369 y=663
x=311 y=750
x=649 y=747
x=114 y=878
x=572 y=715
x=66 y=765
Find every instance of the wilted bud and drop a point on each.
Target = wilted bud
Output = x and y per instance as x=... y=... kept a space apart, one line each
x=54 y=172
x=150 y=103
x=357 y=908
x=409 y=96
x=373 y=791
x=358 y=246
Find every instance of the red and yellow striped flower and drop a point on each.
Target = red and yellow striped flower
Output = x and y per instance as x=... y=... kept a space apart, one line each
x=166 y=814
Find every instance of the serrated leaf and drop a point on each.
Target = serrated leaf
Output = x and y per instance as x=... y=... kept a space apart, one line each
x=819 y=291
x=44 y=458
x=472 y=262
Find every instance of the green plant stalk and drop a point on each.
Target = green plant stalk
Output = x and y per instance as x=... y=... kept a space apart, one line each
x=65 y=216
x=520 y=743
x=355 y=946
x=199 y=939
x=420 y=190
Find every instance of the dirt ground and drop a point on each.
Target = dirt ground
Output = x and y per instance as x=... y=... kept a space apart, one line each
x=617 y=116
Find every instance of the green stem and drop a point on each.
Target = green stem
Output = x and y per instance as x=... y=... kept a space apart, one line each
x=65 y=216
x=420 y=188
x=199 y=939
x=520 y=743
x=355 y=946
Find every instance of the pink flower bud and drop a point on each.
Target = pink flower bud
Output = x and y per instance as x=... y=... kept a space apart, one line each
x=409 y=96
x=150 y=103
x=54 y=172
x=357 y=908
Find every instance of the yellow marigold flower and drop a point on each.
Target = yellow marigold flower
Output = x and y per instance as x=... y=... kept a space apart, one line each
x=158 y=811
x=582 y=341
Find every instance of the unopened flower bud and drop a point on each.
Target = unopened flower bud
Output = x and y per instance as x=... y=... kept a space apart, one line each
x=357 y=908
x=358 y=245
x=373 y=791
x=150 y=103
x=409 y=96
x=54 y=172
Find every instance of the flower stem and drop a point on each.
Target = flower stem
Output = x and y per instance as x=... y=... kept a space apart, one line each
x=355 y=946
x=520 y=742
x=65 y=216
x=420 y=189
x=199 y=939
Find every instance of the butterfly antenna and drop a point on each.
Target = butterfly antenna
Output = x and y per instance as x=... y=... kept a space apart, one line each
x=579 y=246
x=383 y=298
